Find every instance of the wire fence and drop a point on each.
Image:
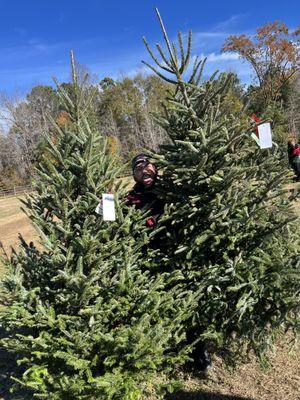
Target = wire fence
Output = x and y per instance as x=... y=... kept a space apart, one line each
x=15 y=191
x=18 y=190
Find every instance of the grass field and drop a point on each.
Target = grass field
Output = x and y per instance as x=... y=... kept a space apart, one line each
x=281 y=381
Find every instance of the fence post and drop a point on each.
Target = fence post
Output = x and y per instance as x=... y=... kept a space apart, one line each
x=14 y=190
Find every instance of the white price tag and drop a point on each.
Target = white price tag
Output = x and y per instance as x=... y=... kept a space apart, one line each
x=108 y=205
x=265 y=135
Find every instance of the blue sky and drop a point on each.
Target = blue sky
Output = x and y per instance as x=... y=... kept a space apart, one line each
x=37 y=35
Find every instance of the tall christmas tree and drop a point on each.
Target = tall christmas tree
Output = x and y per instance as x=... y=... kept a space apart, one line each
x=82 y=314
x=231 y=226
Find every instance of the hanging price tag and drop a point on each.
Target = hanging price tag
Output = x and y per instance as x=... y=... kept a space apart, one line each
x=265 y=136
x=108 y=206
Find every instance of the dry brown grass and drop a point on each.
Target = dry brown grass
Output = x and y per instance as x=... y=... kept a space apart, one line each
x=281 y=381
x=12 y=222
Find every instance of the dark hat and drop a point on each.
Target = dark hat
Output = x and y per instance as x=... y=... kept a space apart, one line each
x=139 y=159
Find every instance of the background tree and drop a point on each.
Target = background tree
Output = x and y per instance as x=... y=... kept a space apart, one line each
x=126 y=108
x=129 y=123
x=28 y=121
x=12 y=171
x=293 y=106
x=273 y=53
x=235 y=98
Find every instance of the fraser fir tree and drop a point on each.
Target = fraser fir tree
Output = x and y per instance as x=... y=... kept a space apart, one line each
x=82 y=314
x=231 y=226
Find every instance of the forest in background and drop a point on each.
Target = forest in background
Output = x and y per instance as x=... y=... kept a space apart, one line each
x=124 y=109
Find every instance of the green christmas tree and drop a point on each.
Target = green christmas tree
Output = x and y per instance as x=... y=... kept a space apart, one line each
x=82 y=314
x=230 y=225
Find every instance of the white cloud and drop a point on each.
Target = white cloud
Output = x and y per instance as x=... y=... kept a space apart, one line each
x=213 y=57
x=209 y=34
x=224 y=62
x=208 y=41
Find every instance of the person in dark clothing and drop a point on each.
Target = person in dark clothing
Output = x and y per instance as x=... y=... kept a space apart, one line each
x=290 y=149
x=294 y=157
x=296 y=162
x=142 y=196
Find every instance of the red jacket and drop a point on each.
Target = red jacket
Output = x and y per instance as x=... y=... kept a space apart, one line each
x=143 y=198
x=296 y=151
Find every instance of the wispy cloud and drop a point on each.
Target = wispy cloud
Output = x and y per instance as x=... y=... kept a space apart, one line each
x=208 y=44
x=226 y=62
x=209 y=35
x=27 y=50
x=214 y=38
x=230 y=22
x=21 y=80
x=35 y=45
x=213 y=57
x=35 y=60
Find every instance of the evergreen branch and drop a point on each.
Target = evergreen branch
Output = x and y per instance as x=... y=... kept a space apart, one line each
x=159 y=74
x=173 y=62
x=75 y=81
x=213 y=75
x=222 y=88
x=175 y=54
x=73 y=68
x=182 y=52
x=63 y=95
x=166 y=37
x=201 y=71
x=54 y=125
x=189 y=49
x=155 y=59
x=91 y=98
x=165 y=58
x=188 y=145
x=196 y=65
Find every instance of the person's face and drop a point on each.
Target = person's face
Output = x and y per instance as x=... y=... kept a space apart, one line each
x=145 y=174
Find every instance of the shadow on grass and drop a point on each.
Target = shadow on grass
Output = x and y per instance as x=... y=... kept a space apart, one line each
x=202 y=395
x=8 y=368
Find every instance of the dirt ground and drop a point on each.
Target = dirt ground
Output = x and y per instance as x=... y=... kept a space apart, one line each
x=281 y=381
x=12 y=222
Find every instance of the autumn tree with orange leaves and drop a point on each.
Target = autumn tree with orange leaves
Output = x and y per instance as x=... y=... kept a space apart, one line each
x=274 y=54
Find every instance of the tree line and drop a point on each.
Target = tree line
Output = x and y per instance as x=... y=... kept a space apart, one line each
x=124 y=109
